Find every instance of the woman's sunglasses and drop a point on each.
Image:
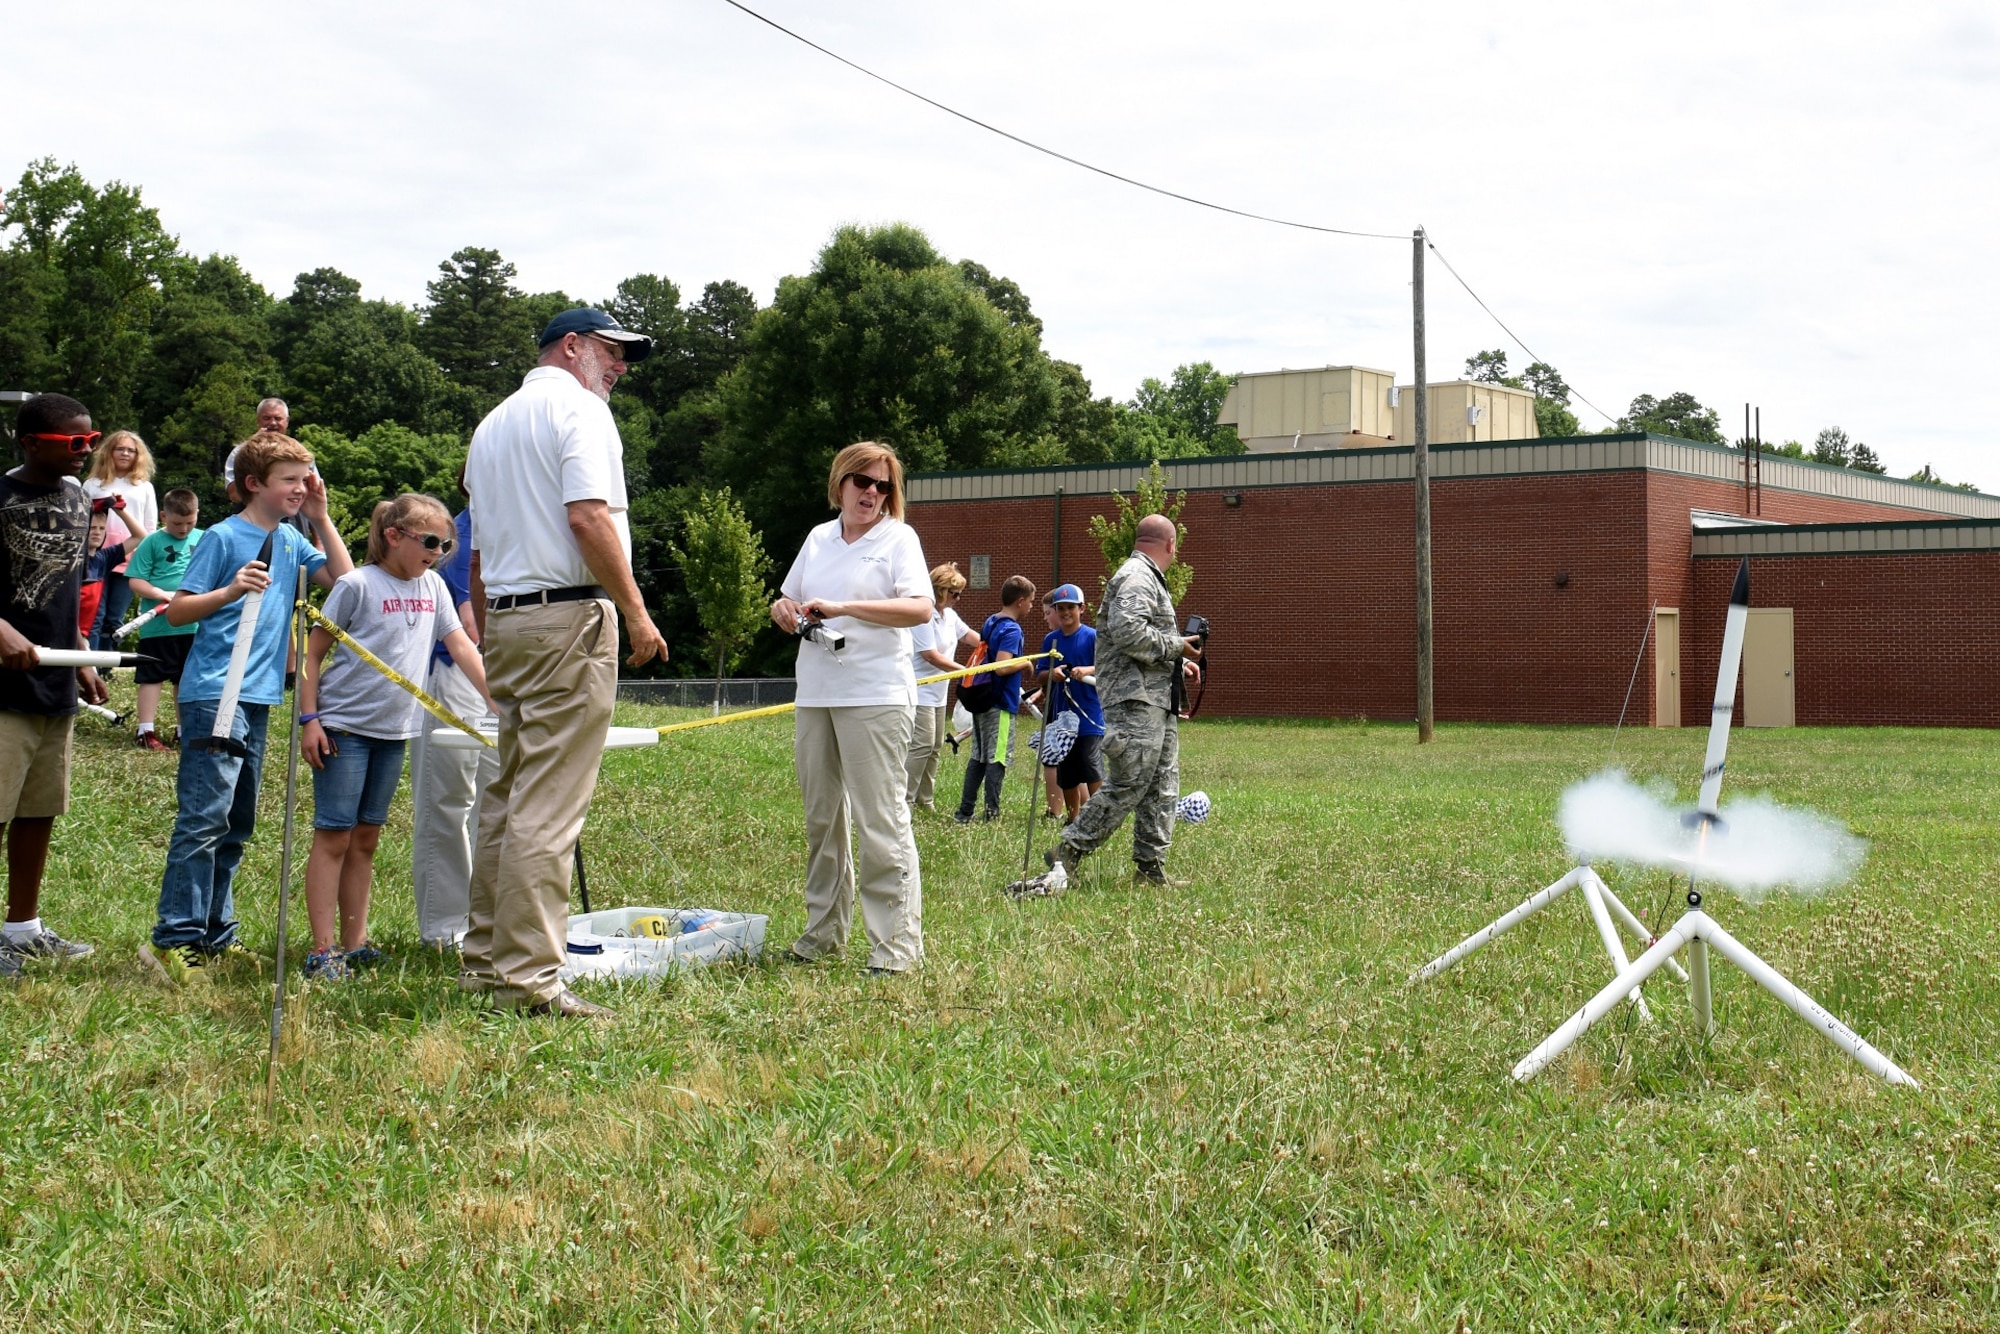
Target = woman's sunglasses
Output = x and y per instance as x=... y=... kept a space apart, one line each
x=431 y=541
x=78 y=444
x=863 y=482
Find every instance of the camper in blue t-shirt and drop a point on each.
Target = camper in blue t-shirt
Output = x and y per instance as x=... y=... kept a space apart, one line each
x=993 y=724
x=216 y=786
x=1070 y=686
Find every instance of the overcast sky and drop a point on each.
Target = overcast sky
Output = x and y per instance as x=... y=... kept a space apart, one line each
x=1793 y=205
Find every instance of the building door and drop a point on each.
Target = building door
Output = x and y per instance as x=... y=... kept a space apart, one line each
x=1667 y=667
x=1768 y=698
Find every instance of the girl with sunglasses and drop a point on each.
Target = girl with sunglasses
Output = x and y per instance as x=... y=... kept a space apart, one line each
x=121 y=467
x=357 y=722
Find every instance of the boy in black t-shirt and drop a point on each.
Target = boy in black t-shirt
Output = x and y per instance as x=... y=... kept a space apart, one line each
x=44 y=518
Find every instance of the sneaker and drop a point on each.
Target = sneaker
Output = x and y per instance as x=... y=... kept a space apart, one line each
x=962 y=818
x=235 y=954
x=46 y=944
x=1157 y=877
x=365 y=955
x=326 y=966
x=176 y=965
x=10 y=966
x=150 y=741
x=989 y=815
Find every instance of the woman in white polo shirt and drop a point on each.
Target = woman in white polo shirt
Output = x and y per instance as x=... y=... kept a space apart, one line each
x=862 y=577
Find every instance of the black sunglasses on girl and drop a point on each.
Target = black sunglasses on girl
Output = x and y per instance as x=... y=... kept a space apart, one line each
x=431 y=541
x=863 y=482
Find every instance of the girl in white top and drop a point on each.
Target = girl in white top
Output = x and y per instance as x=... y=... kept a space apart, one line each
x=861 y=576
x=122 y=466
x=357 y=721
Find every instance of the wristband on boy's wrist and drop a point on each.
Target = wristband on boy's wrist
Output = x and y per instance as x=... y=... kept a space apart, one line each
x=308 y=718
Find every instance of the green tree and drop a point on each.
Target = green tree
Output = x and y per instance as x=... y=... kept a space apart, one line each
x=1091 y=430
x=1679 y=414
x=206 y=364
x=1833 y=447
x=83 y=281
x=723 y=563
x=883 y=340
x=1116 y=538
x=479 y=327
x=1553 y=418
x=350 y=363
x=384 y=461
x=1177 y=418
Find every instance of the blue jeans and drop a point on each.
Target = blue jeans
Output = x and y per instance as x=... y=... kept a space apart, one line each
x=217 y=794
x=111 y=610
x=357 y=780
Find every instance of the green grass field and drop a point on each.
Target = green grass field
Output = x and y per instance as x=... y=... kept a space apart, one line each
x=1220 y=1108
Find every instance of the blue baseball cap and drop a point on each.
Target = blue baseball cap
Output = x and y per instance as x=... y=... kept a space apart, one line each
x=590 y=320
x=1067 y=593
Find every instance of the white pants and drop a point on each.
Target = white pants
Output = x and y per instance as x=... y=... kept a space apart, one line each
x=851 y=775
x=443 y=785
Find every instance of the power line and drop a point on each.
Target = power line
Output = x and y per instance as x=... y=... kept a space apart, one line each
x=1503 y=324
x=1063 y=157
x=1142 y=185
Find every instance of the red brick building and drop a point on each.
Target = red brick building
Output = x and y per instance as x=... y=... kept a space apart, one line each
x=1548 y=559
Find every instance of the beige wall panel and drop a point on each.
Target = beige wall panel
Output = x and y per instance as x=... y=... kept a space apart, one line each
x=1667 y=667
x=1769 y=691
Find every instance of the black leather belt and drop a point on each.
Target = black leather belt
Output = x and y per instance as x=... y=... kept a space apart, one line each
x=579 y=593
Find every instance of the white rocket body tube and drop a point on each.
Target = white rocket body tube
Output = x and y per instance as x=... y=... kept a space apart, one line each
x=239 y=658
x=84 y=657
x=1725 y=693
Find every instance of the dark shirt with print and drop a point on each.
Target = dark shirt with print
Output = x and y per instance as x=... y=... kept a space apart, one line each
x=42 y=535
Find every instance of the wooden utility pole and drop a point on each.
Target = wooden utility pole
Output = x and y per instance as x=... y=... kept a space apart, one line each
x=1421 y=463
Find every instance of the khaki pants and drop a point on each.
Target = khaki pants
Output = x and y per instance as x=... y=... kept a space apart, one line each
x=553 y=674
x=443 y=784
x=851 y=765
x=931 y=726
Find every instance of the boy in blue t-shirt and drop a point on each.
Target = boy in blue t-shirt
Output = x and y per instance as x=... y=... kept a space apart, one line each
x=217 y=783
x=993 y=730
x=155 y=573
x=1071 y=687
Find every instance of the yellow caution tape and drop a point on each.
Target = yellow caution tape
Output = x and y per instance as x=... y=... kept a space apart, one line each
x=438 y=711
x=776 y=709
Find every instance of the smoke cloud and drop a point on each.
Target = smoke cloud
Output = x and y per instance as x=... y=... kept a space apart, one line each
x=1759 y=845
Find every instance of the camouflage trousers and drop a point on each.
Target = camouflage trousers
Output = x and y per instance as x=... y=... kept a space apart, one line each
x=1142 y=778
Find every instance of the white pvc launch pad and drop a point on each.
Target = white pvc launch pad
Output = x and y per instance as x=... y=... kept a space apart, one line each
x=613 y=944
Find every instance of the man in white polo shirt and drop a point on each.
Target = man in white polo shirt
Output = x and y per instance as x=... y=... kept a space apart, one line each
x=552 y=559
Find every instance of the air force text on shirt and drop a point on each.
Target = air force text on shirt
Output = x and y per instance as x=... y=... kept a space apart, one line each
x=409 y=605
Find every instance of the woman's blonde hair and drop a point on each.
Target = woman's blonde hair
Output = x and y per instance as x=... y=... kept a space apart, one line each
x=403 y=513
x=861 y=455
x=103 y=468
x=945 y=578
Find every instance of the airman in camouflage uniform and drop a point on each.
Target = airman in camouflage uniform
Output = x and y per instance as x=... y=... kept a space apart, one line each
x=1140 y=652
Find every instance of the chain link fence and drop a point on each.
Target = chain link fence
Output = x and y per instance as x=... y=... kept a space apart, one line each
x=742 y=692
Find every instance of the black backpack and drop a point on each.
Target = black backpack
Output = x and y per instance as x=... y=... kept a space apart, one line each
x=981 y=693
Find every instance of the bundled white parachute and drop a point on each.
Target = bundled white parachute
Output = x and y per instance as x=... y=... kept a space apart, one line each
x=1193 y=808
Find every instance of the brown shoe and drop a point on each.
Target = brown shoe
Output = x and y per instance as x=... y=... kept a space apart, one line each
x=566 y=1004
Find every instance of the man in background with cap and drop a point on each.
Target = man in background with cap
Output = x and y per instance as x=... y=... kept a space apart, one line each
x=552 y=568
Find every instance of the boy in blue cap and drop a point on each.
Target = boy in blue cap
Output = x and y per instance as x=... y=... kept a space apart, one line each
x=1069 y=686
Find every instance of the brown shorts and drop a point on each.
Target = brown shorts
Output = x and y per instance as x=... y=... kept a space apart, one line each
x=34 y=765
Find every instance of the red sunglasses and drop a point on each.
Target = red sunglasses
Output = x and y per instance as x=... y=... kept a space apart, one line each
x=78 y=444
